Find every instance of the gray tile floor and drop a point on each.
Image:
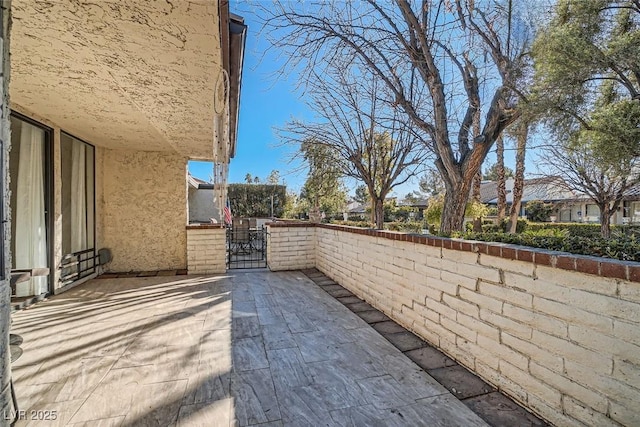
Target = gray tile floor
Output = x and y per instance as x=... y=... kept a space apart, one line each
x=246 y=348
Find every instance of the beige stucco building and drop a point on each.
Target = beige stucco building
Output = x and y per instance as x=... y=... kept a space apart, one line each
x=108 y=101
x=122 y=94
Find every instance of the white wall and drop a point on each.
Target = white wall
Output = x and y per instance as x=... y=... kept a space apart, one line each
x=559 y=333
x=201 y=206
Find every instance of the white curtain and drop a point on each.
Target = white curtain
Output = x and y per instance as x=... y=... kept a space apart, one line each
x=31 y=232
x=78 y=197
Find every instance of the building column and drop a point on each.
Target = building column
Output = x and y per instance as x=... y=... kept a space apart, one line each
x=5 y=285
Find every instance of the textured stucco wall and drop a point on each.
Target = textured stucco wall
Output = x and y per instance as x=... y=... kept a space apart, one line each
x=150 y=67
x=144 y=209
x=201 y=205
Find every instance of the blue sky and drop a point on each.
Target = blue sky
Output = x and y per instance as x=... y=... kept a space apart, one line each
x=265 y=103
x=268 y=102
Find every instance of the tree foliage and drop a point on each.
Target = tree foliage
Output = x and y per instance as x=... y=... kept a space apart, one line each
x=362 y=195
x=539 y=211
x=431 y=183
x=433 y=213
x=254 y=200
x=273 y=178
x=587 y=64
x=323 y=190
x=492 y=172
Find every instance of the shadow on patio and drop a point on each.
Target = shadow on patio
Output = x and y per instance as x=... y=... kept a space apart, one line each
x=245 y=348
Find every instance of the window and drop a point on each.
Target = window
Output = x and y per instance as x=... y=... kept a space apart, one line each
x=78 y=208
x=30 y=236
x=593 y=210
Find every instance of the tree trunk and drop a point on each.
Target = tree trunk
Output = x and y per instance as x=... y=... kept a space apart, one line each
x=605 y=219
x=455 y=203
x=522 y=132
x=453 y=212
x=502 y=190
x=379 y=213
x=477 y=179
x=372 y=217
x=315 y=215
x=477 y=183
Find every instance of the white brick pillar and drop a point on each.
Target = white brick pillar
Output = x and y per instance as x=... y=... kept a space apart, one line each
x=206 y=249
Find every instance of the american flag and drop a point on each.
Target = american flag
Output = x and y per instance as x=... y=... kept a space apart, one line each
x=227 y=213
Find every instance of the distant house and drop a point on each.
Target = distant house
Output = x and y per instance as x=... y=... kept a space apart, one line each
x=355 y=209
x=420 y=204
x=203 y=208
x=569 y=206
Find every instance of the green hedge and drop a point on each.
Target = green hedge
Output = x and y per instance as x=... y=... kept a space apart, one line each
x=361 y=224
x=583 y=239
x=623 y=247
x=405 y=226
x=582 y=229
x=254 y=200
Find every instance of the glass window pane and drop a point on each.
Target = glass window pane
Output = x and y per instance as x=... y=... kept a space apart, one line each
x=78 y=214
x=27 y=166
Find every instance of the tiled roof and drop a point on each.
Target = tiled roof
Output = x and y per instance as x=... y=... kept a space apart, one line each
x=546 y=189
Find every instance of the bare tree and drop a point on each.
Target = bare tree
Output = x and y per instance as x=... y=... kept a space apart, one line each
x=372 y=142
x=442 y=63
x=583 y=171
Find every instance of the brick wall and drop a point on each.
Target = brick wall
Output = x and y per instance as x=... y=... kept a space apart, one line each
x=206 y=249
x=559 y=333
x=291 y=246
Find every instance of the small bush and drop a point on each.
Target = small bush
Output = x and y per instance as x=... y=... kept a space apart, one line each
x=539 y=211
x=547 y=232
x=407 y=226
x=573 y=228
x=361 y=224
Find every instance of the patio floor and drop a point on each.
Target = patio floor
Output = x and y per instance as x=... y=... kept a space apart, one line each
x=240 y=349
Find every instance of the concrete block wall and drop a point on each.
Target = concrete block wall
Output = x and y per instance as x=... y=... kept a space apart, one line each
x=291 y=246
x=206 y=249
x=557 y=332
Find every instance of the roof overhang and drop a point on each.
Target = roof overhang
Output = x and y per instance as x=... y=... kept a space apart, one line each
x=122 y=74
x=234 y=36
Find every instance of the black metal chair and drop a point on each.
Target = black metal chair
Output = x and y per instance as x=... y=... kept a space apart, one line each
x=240 y=236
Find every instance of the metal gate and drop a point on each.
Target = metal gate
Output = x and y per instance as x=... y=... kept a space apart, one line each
x=246 y=247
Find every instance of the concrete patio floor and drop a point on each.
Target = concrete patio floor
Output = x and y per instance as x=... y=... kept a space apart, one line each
x=245 y=348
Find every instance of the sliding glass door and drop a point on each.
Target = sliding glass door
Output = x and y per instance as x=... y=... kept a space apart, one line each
x=29 y=203
x=78 y=212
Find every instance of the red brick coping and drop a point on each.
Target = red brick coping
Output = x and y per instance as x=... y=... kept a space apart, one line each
x=204 y=226
x=604 y=267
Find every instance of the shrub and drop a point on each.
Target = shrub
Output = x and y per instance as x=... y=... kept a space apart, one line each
x=361 y=224
x=407 y=227
x=623 y=248
x=521 y=226
x=573 y=228
x=538 y=211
